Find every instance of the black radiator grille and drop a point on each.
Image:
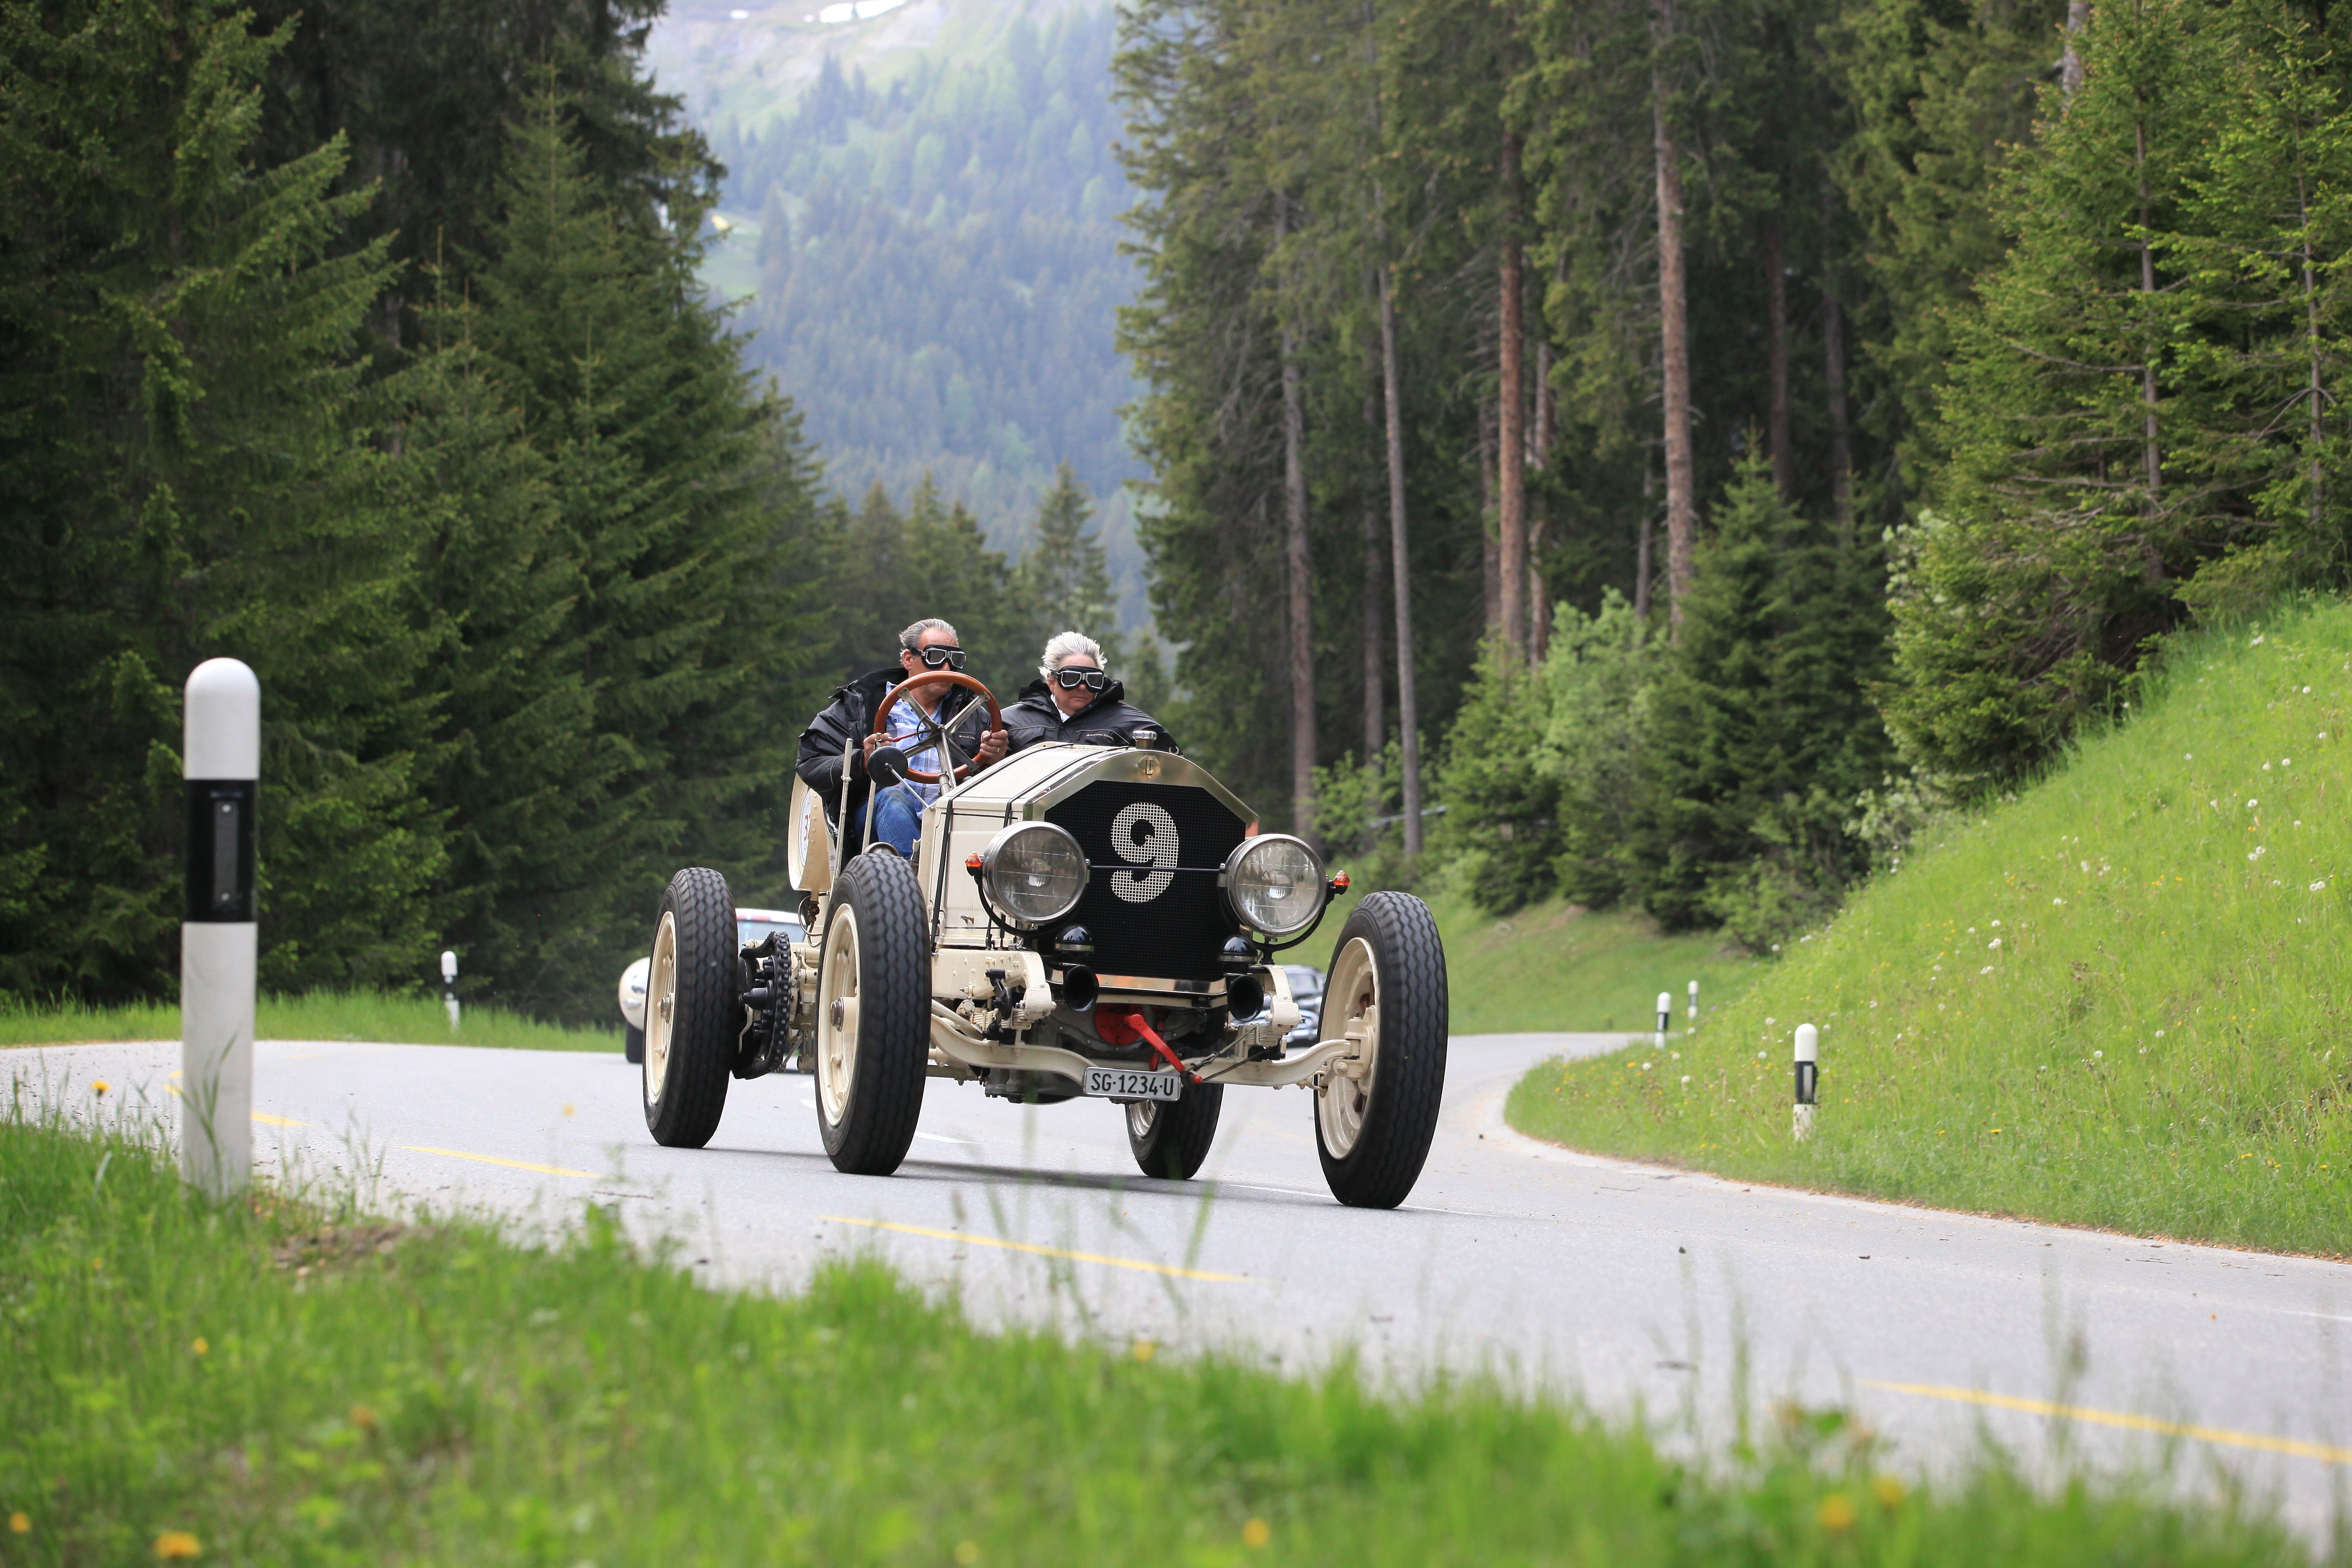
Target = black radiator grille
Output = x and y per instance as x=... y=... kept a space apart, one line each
x=1153 y=909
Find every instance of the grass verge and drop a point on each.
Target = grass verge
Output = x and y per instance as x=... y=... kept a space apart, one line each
x=270 y=1381
x=2117 y=1000
x=314 y=1016
x=1556 y=966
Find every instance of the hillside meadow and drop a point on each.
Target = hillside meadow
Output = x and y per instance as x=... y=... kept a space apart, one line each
x=2115 y=999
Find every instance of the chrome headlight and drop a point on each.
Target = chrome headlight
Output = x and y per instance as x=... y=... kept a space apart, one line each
x=1273 y=883
x=1034 y=872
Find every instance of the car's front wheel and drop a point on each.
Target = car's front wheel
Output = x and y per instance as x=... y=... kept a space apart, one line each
x=1170 y=1137
x=1376 y=1110
x=693 y=1010
x=873 y=1017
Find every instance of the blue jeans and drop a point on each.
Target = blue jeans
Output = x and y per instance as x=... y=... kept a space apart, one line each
x=898 y=819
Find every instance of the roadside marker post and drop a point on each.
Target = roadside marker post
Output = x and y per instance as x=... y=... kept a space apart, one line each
x=1694 y=1001
x=221 y=764
x=1809 y=1078
x=449 y=986
x=1665 y=1015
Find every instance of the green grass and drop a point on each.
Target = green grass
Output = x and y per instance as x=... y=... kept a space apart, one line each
x=268 y=1383
x=2117 y=1000
x=314 y=1016
x=1556 y=966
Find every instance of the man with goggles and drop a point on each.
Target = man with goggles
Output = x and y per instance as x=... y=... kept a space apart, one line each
x=927 y=645
x=1074 y=698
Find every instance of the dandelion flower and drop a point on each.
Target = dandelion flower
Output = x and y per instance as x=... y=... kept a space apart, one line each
x=173 y=1545
x=200 y=1346
x=1836 y=1513
x=967 y=1552
x=1256 y=1534
x=1144 y=1350
x=1888 y=1492
x=20 y=1523
x=100 y=1087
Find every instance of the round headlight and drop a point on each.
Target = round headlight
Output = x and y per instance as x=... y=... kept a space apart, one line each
x=1274 y=883
x=1036 y=872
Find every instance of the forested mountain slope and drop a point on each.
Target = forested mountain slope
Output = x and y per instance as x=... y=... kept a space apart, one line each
x=924 y=210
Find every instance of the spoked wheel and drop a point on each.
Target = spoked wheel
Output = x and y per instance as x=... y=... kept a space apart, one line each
x=1377 y=1107
x=694 y=1011
x=1171 y=1138
x=873 y=1022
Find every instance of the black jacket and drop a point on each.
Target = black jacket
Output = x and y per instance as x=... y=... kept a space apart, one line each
x=850 y=717
x=1108 y=719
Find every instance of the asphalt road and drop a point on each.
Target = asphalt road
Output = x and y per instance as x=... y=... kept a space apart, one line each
x=1628 y=1285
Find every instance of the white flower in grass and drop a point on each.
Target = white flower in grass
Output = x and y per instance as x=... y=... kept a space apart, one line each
x=1986 y=969
x=2256 y=853
x=2057 y=900
x=2320 y=886
x=2251 y=804
x=2098 y=1056
x=1994 y=945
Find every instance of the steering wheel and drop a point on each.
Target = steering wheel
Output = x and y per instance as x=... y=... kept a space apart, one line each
x=930 y=732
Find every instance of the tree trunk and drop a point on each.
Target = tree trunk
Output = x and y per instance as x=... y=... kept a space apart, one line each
x=1775 y=355
x=1488 y=522
x=1408 y=706
x=1833 y=377
x=1539 y=516
x=1302 y=588
x=1375 y=708
x=2069 y=63
x=1511 y=401
x=1674 y=332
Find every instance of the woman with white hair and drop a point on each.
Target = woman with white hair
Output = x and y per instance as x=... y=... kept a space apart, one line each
x=1074 y=698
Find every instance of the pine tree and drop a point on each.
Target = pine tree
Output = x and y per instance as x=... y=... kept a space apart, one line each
x=186 y=472
x=1062 y=583
x=1761 y=730
x=593 y=327
x=2084 y=480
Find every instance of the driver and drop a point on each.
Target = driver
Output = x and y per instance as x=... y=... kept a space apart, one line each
x=927 y=645
x=1075 y=699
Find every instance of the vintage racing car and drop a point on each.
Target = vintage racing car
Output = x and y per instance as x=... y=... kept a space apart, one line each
x=1076 y=920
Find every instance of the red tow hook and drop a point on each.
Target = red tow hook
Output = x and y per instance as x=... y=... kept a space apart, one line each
x=1126 y=1027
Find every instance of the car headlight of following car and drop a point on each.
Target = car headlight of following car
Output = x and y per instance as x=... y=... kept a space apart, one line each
x=1273 y=883
x=1036 y=872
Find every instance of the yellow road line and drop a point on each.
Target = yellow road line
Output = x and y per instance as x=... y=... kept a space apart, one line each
x=257 y=1116
x=1135 y=1263
x=2223 y=1435
x=494 y=1159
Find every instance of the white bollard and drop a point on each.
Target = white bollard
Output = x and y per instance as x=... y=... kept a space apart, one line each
x=449 y=986
x=1694 y=1005
x=1809 y=1073
x=221 y=761
x=1665 y=1015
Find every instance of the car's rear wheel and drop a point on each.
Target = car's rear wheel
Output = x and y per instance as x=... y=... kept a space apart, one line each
x=694 y=1012
x=873 y=1017
x=1170 y=1137
x=1377 y=1107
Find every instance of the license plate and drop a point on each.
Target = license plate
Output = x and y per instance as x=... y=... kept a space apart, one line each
x=1119 y=1083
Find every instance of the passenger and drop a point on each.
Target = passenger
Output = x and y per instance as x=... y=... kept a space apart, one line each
x=927 y=645
x=1075 y=699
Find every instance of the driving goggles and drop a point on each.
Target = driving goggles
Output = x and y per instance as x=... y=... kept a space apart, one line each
x=941 y=653
x=1072 y=678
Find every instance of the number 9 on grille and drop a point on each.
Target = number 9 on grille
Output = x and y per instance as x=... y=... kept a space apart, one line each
x=1273 y=883
x=1036 y=872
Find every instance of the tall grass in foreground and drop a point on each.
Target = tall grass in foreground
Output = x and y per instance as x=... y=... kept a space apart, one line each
x=2119 y=999
x=313 y=1016
x=266 y=1382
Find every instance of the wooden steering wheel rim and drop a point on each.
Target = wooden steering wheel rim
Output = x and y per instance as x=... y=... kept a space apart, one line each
x=929 y=679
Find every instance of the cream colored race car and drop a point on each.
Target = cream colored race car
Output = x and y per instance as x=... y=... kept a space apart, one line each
x=1078 y=921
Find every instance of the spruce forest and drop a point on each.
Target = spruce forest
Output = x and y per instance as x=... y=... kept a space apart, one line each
x=1671 y=451
x=1659 y=454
